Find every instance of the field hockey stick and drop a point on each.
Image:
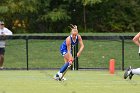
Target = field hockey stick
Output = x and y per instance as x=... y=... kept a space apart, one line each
x=67 y=68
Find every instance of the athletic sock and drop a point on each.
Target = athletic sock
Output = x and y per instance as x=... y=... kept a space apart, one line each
x=64 y=67
x=136 y=71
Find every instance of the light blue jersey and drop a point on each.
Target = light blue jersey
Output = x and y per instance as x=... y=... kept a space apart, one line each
x=63 y=47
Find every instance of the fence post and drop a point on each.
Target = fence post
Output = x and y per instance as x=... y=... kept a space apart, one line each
x=122 y=53
x=75 y=50
x=27 y=52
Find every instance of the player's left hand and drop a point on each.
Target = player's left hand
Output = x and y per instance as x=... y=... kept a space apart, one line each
x=78 y=54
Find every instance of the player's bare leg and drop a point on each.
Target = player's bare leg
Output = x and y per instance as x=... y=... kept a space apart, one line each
x=1 y=61
x=64 y=67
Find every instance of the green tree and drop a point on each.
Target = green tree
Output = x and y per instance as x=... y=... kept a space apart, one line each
x=39 y=16
x=116 y=16
x=15 y=12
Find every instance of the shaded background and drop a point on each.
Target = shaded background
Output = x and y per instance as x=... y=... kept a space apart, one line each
x=45 y=16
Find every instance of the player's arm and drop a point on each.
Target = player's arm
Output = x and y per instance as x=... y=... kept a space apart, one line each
x=68 y=43
x=8 y=32
x=81 y=45
x=136 y=39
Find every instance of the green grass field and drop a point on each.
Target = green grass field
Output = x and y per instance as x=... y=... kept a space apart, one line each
x=35 y=81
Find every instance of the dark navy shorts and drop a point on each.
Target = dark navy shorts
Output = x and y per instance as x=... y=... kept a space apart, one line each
x=63 y=49
x=2 y=51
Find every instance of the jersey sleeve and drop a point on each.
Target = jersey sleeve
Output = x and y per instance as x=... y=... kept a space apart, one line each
x=8 y=32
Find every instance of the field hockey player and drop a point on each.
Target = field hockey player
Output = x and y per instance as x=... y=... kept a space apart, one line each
x=65 y=50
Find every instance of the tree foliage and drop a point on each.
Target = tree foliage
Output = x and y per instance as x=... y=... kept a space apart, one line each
x=39 y=16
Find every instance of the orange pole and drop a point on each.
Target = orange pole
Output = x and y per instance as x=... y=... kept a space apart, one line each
x=112 y=66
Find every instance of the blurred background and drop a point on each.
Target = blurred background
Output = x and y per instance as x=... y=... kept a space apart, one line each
x=54 y=16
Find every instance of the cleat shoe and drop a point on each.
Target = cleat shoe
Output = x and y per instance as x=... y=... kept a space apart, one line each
x=131 y=75
x=56 y=77
x=127 y=72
